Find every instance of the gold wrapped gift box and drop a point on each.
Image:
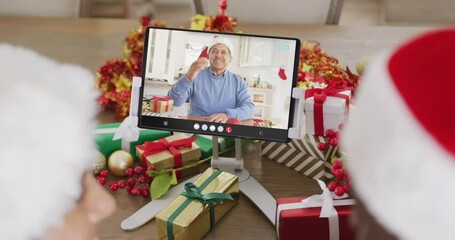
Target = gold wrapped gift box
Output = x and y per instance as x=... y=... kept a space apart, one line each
x=161 y=105
x=193 y=221
x=165 y=159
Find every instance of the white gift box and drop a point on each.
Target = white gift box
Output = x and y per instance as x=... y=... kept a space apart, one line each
x=335 y=113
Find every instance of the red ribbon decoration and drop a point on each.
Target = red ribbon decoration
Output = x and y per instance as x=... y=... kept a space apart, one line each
x=159 y=99
x=335 y=86
x=160 y=145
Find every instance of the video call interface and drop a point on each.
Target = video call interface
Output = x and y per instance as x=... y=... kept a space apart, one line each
x=238 y=80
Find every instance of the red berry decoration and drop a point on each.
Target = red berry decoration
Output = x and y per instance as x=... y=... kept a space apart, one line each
x=151 y=168
x=102 y=181
x=339 y=191
x=346 y=188
x=138 y=170
x=142 y=180
x=337 y=164
x=113 y=187
x=337 y=135
x=104 y=173
x=129 y=189
x=136 y=192
x=330 y=133
x=145 y=192
x=333 y=142
x=122 y=184
x=322 y=146
x=339 y=173
x=129 y=172
x=333 y=185
x=131 y=181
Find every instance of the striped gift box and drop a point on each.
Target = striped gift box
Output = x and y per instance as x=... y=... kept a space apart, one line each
x=303 y=156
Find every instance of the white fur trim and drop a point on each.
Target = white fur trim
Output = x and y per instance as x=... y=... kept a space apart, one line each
x=47 y=117
x=404 y=177
x=224 y=41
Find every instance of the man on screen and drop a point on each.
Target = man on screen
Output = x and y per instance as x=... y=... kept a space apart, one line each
x=214 y=91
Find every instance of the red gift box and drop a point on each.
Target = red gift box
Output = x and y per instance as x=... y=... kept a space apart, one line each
x=306 y=223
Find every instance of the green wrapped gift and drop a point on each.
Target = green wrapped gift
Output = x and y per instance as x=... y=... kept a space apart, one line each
x=206 y=145
x=105 y=133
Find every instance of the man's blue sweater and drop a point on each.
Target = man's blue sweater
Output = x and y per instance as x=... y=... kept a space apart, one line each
x=211 y=94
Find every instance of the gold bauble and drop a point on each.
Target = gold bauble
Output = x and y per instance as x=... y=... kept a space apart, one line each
x=99 y=163
x=119 y=161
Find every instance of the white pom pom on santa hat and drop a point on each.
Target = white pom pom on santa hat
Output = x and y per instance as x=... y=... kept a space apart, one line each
x=400 y=138
x=46 y=143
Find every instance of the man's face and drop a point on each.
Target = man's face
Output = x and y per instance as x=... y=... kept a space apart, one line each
x=219 y=57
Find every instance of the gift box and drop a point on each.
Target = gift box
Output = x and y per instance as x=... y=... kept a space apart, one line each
x=206 y=144
x=317 y=217
x=161 y=104
x=325 y=109
x=174 y=151
x=303 y=155
x=105 y=132
x=195 y=212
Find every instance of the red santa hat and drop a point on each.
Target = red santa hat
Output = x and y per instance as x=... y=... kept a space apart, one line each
x=222 y=40
x=47 y=116
x=400 y=138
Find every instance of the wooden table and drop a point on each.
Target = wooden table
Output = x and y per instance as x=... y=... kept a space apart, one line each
x=90 y=42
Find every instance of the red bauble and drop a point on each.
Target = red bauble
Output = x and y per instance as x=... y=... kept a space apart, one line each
x=339 y=191
x=337 y=164
x=136 y=192
x=102 y=181
x=122 y=184
x=104 y=173
x=330 y=133
x=142 y=180
x=138 y=170
x=113 y=187
x=333 y=185
x=346 y=188
x=129 y=189
x=322 y=146
x=339 y=173
x=131 y=181
x=145 y=192
x=333 y=142
x=129 y=172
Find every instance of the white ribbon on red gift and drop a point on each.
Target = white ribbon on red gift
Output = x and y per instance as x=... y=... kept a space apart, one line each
x=326 y=201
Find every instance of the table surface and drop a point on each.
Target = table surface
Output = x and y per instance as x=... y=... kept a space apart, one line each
x=90 y=42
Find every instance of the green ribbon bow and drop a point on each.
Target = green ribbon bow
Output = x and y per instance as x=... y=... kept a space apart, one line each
x=193 y=192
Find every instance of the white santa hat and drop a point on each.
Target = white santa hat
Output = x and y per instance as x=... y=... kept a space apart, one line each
x=400 y=138
x=222 y=40
x=47 y=116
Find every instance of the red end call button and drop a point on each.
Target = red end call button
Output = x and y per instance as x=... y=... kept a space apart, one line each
x=228 y=129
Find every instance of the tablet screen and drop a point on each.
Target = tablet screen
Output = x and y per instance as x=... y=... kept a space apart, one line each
x=215 y=83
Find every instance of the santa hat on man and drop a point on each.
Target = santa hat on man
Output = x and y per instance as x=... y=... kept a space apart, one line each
x=218 y=40
x=400 y=138
x=47 y=116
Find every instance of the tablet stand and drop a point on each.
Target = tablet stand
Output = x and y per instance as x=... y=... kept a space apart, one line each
x=248 y=185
